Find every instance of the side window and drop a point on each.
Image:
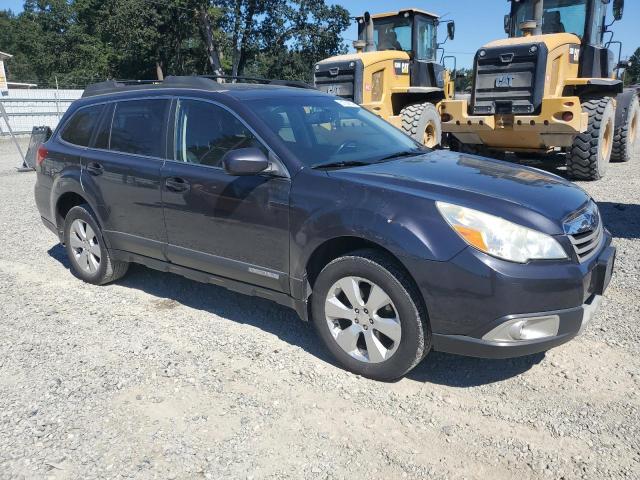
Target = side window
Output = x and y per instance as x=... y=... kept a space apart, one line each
x=138 y=125
x=205 y=133
x=79 y=128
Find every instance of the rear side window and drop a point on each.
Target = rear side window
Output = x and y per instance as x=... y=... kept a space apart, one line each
x=205 y=132
x=80 y=126
x=138 y=127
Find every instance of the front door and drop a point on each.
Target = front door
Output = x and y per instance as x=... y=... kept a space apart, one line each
x=234 y=227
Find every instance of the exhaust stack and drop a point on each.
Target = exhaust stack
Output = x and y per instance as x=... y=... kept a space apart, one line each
x=368 y=29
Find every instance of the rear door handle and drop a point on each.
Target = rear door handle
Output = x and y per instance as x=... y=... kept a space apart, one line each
x=94 y=168
x=176 y=184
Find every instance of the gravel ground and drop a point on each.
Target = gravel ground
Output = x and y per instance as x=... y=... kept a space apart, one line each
x=157 y=376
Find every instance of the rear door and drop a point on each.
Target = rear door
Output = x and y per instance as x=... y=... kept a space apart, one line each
x=235 y=227
x=122 y=171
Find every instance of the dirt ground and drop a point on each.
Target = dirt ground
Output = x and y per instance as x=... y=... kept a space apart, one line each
x=157 y=376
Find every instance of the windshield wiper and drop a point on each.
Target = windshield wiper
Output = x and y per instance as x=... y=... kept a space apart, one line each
x=342 y=164
x=404 y=153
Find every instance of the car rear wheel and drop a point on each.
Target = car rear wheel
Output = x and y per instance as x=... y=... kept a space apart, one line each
x=369 y=315
x=90 y=259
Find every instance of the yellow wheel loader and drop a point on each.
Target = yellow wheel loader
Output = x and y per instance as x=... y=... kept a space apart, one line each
x=394 y=72
x=552 y=87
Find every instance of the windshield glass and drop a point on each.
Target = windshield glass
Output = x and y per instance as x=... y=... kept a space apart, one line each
x=321 y=130
x=559 y=16
x=393 y=33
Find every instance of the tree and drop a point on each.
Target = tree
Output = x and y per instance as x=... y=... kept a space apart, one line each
x=82 y=41
x=632 y=74
x=464 y=81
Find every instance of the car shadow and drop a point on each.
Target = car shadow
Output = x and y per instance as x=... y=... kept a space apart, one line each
x=464 y=372
x=438 y=368
x=622 y=219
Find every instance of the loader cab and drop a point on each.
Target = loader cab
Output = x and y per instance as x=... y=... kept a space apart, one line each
x=584 y=18
x=414 y=32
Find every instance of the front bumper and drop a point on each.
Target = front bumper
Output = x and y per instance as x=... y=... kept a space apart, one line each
x=572 y=322
x=521 y=132
x=474 y=299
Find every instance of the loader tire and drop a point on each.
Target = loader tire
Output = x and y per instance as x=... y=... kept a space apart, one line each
x=421 y=121
x=591 y=151
x=626 y=143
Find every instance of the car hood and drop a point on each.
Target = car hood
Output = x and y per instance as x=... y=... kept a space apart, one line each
x=522 y=194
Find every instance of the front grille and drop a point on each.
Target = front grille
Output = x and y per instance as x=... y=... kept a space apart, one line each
x=585 y=230
x=509 y=80
x=342 y=79
x=585 y=244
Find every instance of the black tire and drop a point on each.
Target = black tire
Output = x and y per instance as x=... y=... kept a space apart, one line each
x=626 y=142
x=591 y=150
x=421 y=121
x=415 y=340
x=108 y=270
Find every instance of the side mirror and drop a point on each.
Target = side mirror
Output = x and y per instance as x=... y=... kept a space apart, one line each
x=618 y=9
x=507 y=24
x=451 y=30
x=245 y=161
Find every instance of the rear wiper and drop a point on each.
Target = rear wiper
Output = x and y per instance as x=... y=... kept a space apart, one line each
x=342 y=164
x=405 y=153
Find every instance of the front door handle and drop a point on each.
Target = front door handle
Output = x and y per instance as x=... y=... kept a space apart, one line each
x=94 y=168
x=176 y=184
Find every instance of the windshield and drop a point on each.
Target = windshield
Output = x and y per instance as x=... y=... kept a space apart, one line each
x=321 y=130
x=559 y=16
x=393 y=33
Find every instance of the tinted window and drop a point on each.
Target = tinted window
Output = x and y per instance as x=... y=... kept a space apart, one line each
x=79 y=128
x=205 y=132
x=137 y=127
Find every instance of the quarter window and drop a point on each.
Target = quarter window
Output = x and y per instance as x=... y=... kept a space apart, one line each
x=79 y=128
x=138 y=127
x=206 y=132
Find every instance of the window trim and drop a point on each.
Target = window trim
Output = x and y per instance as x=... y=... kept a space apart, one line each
x=171 y=139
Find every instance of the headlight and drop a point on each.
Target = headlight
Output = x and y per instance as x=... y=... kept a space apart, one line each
x=499 y=237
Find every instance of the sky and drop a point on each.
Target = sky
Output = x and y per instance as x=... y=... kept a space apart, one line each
x=477 y=21
x=480 y=21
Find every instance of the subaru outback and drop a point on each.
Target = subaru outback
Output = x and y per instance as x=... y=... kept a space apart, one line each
x=391 y=250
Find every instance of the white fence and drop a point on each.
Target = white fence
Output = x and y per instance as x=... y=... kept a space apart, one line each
x=35 y=107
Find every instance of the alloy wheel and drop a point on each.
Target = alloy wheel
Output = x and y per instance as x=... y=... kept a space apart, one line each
x=363 y=319
x=85 y=246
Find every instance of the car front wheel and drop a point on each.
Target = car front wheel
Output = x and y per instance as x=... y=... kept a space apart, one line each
x=368 y=313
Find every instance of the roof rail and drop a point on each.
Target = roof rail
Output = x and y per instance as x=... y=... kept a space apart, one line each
x=266 y=81
x=200 y=82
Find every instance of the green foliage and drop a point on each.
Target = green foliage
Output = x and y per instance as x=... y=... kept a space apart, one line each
x=81 y=41
x=464 y=81
x=632 y=74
